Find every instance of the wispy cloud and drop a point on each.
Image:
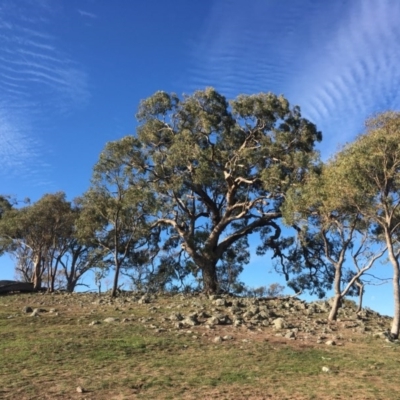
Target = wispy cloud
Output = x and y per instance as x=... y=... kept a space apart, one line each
x=87 y=14
x=337 y=60
x=354 y=71
x=37 y=78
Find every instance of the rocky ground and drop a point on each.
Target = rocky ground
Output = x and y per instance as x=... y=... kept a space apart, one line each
x=218 y=318
x=89 y=346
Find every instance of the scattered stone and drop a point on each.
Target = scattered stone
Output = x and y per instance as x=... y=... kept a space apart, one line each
x=144 y=299
x=94 y=323
x=227 y=337
x=217 y=339
x=290 y=335
x=39 y=310
x=191 y=320
x=325 y=369
x=330 y=343
x=80 y=389
x=220 y=302
x=279 y=323
x=27 y=309
x=110 y=320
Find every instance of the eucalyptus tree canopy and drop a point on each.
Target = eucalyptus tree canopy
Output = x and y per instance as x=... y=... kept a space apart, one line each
x=331 y=230
x=115 y=209
x=39 y=229
x=5 y=206
x=370 y=181
x=220 y=169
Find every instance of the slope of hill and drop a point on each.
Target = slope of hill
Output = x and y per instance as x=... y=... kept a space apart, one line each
x=86 y=346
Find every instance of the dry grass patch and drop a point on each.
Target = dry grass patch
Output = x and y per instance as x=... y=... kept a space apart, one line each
x=49 y=356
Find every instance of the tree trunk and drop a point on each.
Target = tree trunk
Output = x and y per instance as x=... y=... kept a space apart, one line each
x=396 y=294
x=37 y=273
x=394 y=332
x=71 y=283
x=360 y=295
x=337 y=300
x=338 y=293
x=210 y=280
x=52 y=282
x=116 y=276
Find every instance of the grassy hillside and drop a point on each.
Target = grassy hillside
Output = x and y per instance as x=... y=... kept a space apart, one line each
x=191 y=347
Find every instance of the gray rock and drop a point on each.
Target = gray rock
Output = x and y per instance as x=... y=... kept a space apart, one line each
x=217 y=339
x=144 y=299
x=330 y=343
x=27 y=309
x=213 y=321
x=279 y=323
x=219 y=302
x=110 y=320
x=94 y=323
x=237 y=303
x=264 y=314
x=176 y=317
x=248 y=314
x=190 y=321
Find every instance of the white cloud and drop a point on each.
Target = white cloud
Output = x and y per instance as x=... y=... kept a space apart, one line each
x=337 y=60
x=87 y=14
x=37 y=78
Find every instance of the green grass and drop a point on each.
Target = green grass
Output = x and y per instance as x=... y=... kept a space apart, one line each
x=49 y=356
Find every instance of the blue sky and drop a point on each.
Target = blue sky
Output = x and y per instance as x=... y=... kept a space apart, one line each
x=72 y=73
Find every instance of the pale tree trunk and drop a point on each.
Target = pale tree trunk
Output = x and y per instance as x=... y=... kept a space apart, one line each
x=394 y=332
x=337 y=301
x=117 y=262
x=37 y=272
x=360 y=295
x=396 y=295
x=338 y=295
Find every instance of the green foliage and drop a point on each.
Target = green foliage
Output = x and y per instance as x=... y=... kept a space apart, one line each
x=116 y=208
x=219 y=170
x=369 y=177
x=36 y=233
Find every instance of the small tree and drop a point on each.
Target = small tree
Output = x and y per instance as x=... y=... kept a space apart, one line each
x=336 y=229
x=370 y=180
x=115 y=209
x=37 y=230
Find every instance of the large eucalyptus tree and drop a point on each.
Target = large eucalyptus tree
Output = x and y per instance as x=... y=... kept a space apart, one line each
x=220 y=169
